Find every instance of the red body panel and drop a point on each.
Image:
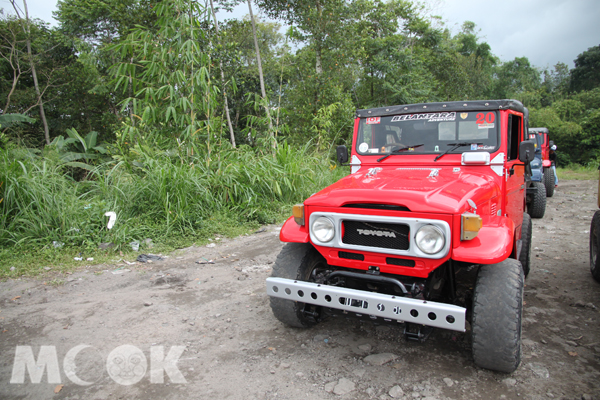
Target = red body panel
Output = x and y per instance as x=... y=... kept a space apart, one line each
x=292 y=232
x=493 y=244
x=429 y=189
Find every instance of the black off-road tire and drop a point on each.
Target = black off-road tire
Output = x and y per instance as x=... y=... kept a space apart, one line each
x=497 y=312
x=537 y=207
x=295 y=261
x=595 y=246
x=549 y=181
x=526 y=232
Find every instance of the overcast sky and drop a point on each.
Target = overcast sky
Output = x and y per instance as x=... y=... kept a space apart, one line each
x=544 y=31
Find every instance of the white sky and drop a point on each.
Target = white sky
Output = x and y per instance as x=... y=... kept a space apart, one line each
x=544 y=31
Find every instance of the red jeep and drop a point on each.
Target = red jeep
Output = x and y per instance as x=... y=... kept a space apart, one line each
x=428 y=230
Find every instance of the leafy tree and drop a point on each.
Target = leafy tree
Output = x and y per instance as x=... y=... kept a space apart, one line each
x=586 y=74
x=56 y=68
x=103 y=21
x=515 y=78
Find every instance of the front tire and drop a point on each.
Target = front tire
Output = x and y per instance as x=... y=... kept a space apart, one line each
x=525 y=256
x=549 y=181
x=497 y=313
x=298 y=261
x=595 y=246
x=537 y=207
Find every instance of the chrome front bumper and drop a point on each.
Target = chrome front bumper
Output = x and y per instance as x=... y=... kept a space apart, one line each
x=379 y=305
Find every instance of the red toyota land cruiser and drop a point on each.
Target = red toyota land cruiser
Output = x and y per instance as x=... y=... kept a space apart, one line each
x=428 y=230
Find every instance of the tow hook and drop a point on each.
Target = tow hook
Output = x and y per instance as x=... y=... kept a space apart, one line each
x=418 y=333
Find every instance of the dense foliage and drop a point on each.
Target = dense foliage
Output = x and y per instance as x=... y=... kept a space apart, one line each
x=134 y=97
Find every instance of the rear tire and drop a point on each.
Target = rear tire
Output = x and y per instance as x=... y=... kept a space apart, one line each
x=525 y=256
x=296 y=261
x=595 y=246
x=537 y=207
x=549 y=181
x=497 y=312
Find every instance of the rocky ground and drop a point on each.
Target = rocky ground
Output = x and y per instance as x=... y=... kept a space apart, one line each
x=206 y=307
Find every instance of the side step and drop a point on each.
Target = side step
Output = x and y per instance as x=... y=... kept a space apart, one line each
x=422 y=312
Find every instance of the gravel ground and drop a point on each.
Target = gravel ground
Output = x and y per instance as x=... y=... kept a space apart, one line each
x=214 y=319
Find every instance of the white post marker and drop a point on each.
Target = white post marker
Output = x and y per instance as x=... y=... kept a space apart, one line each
x=112 y=217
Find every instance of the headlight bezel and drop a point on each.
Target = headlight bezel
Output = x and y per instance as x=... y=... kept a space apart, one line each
x=324 y=221
x=427 y=231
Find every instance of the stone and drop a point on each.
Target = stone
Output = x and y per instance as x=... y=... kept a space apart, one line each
x=509 y=381
x=365 y=347
x=396 y=392
x=359 y=372
x=539 y=370
x=344 y=386
x=380 y=359
x=106 y=246
x=285 y=365
x=320 y=338
x=448 y=382
x=330 y=386
x=147 y=304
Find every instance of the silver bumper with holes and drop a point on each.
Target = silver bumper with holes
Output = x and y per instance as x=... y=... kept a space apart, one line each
x=379 y=305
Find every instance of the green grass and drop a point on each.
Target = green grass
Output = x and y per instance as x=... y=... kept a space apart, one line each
x=175 y=201
x=578 y=172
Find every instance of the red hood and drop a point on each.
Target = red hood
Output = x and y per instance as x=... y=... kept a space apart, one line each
x=421 y=189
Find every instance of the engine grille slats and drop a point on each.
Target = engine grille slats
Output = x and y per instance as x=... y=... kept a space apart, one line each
x=376 y=234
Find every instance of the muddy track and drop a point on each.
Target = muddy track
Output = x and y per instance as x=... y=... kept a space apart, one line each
x=215 y=320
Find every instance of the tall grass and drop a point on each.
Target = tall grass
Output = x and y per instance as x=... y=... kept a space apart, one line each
x=160 y=196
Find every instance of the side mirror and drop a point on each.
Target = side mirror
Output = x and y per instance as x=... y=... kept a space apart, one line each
x=526 y=151
x=342 y=154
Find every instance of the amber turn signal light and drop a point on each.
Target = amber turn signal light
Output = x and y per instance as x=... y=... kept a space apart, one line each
x=470 y=226
x=298 y=213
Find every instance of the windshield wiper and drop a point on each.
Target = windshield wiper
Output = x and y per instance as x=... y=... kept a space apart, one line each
x=398 y=149
x=454 y=147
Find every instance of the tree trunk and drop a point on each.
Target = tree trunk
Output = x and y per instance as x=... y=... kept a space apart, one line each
x=318 y=45
x=260 y=76
x=33 y=72
x=231 y=135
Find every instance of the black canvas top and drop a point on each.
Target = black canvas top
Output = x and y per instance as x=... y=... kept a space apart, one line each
x=457 y=106
x=542 y=130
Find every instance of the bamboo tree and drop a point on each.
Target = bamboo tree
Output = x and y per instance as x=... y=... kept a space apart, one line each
x=170 y=71
x=260 y=75
x=231 y=135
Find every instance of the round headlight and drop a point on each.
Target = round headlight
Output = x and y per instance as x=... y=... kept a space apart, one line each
x=430 y=239
x=323 y=229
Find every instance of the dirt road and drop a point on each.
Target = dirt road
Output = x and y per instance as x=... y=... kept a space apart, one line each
x=189 y=330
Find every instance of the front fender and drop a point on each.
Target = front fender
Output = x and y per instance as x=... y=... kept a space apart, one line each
x=292 y=232
x=493 y=244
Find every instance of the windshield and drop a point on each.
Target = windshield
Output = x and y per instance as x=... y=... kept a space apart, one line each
x=434 y=132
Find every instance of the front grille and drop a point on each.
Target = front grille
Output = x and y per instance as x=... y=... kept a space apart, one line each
x=351 y=256
x=376 y=234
